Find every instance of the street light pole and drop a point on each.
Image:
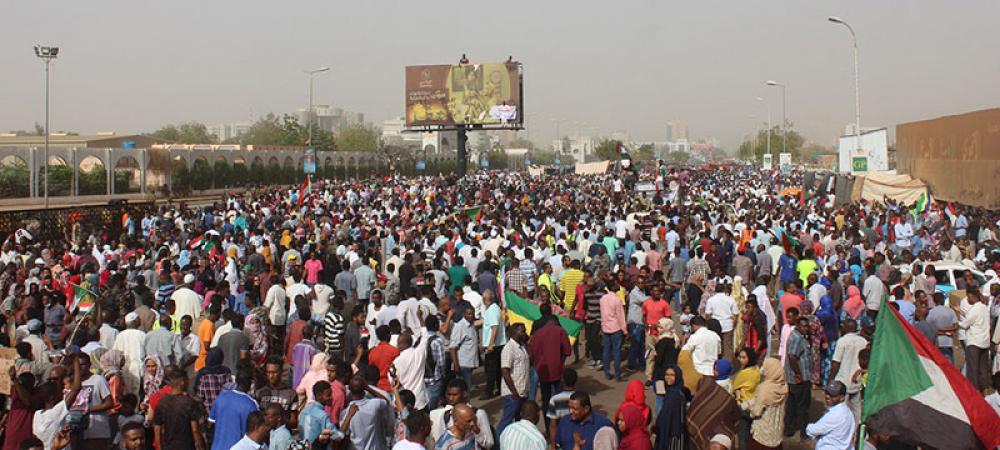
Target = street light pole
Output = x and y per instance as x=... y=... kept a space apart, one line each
x=857 y=84
x=784 y=117
x=768 y=106
x=47 y=54
x=311 y=118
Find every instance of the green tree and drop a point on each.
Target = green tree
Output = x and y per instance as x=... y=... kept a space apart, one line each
x=14 y=177
x=93 y=181
x=186 y=133
x=285 y=130
x=756 y=148
x=240 y=175
x=358 y=138
x=222 y=175
x=678 y=157
x=607 y=150
x=201 y=175
x=645 y=152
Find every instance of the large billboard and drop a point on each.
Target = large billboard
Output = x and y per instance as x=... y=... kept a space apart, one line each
x=464 y=94
x=871 y=155
x=957 y=156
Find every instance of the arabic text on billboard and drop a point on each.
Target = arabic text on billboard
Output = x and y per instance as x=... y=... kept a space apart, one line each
x=469 y=94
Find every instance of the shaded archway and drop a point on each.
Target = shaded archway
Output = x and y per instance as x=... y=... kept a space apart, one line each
x=221 y=173
x=240 y=172
x=180 y=176
x=201 y=174
x=15 y=178
x=127 y=177
x=93 y=177
x=61 y=181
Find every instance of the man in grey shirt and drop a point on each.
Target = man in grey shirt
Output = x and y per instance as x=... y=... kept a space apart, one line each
x=464 y=345
x=164 y=342
x=367 y=418
x=636 y=327
x=765 y=265
x=873 y=290
x=347 y=282
x=364 y=277
x=943 y=319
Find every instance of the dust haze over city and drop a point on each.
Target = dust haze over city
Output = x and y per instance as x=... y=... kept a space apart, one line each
x=593 y=67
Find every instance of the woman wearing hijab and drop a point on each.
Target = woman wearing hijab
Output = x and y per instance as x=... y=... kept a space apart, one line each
x=827 y=317
x=152 y=376
x=739 y=295
x=723 y=374
x=635 y=395
x=665 y=354
x=209 y=380
x=317 y=372
x=255 y=328
x=854 y=306
x=111 y=367
x=710 y=288
x=670 y=430
x=746 y=380
x=633 y=424
x=767 y=407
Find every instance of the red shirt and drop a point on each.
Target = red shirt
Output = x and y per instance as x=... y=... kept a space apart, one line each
x=293 y=337
x=337 y=401
x=549 y=348
x=382 y=357
x=654 y=310
x=155 y=399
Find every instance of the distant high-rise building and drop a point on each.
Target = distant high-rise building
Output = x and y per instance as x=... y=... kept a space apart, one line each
x=228 y=131
x=677 y=130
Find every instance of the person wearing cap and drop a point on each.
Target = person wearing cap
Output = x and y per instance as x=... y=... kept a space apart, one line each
x=720 y=442
x=187 y=301
x=131 y=342
x=835 y=430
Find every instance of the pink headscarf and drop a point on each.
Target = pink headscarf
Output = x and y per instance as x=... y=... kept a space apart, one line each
x=854 y=305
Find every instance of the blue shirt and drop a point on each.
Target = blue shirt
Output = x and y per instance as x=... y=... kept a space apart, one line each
x=787 y=265
x=229 y=414
x=313 y=420
x=493 y=323
x=280 y=438
x=587 y=428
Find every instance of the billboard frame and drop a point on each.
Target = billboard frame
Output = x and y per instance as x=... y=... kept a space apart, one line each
x=514 y=126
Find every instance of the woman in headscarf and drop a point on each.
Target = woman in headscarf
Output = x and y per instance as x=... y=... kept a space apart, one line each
x=816 y=339
x=152 y=376
x=111 y=367
x=723 y=371
x=665 y=354
x=712 y=411
x=739 y=295
x=767 y=407
x=633 y=424
x=255 y=329
x=669 y=427
x=635 y=395
x=754 y=324
x=209 y=380
x=710 y=287
x=317 y=372
x=827 y=317
x=854 y=306
x=746 y=380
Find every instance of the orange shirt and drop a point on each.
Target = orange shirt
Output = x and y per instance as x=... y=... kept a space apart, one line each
x=382 y=357
x=206 y=330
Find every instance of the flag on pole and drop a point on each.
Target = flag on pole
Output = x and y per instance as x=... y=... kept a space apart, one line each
x=950 y=212
x=304 y=190
x=788 y=242
x=82 y=299
x=196 y=242
x=523 y=311
x=915 y=395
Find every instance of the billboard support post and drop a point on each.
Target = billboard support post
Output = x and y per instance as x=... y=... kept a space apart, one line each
x=461 y=153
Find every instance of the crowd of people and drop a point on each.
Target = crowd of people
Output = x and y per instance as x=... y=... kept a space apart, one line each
x=368 y=314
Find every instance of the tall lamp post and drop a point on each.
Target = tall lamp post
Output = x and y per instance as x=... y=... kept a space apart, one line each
x=311 y=118
x=47 y=54
x=784 y=117
x=768 y=106
x=857 y=85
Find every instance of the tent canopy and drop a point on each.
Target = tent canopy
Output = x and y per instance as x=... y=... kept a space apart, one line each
x=899 y=187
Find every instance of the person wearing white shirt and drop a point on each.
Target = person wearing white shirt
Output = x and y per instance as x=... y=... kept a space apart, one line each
x=704 y=346
x=409 y=365
x=723 y=308
x=976 y=322
x=873 y=290
x=295 y=288
x=475 y=299
x=672 y=239
x=904 y=232
x=321 y=302
x=188 y=302
x=406 y=312
x=835 y=430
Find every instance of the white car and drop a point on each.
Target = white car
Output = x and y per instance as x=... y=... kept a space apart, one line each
x=948 y=272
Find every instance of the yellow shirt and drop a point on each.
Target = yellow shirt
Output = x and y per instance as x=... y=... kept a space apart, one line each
x=570 y=280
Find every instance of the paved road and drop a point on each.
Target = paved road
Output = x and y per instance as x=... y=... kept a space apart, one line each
x=606 y=395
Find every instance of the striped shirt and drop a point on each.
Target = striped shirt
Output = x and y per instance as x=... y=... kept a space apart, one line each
x=592 y=302
x=333 y=331
x=448 y=441
x=559 y=405
x=530 y=270
x=522 y=435
x=516 y=280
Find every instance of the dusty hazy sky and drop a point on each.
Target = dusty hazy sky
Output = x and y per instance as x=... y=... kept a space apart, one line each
x=132 y=66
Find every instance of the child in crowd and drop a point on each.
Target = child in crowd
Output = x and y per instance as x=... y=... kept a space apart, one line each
x=686 y=316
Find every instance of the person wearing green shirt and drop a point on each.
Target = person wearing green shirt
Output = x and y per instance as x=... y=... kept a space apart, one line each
x=807 y=266
x=457 y=274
